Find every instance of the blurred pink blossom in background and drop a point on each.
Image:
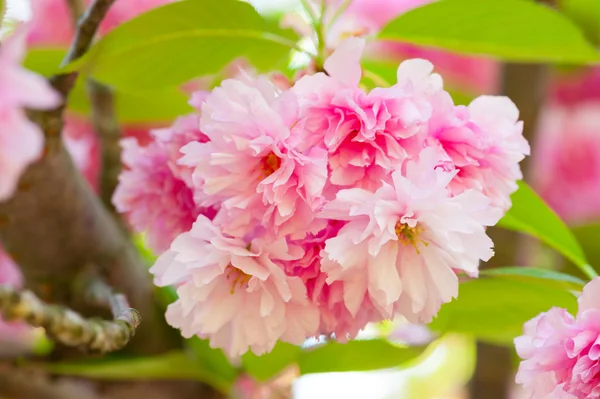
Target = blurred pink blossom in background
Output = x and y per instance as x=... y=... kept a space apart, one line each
x=566 y=164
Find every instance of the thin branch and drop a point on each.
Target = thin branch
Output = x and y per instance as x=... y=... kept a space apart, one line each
x=68 y=327
x=107 y=128
x=84 y=35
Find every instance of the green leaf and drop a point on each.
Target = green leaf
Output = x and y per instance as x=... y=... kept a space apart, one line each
x=213 y=359
x=357 y=355
x=530 y=214
x=512 y=30
x=270 y=364
x=587 y=235
x=177 y=42
x=132 y=107
x=586 y=14
x=494 y=308
x=135 y=108
x=550 y=277
x=45 y=60
x=169 y=366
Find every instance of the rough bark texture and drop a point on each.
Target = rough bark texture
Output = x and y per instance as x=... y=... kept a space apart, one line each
x=525 y=84
x=106 y=126
x=54 y=226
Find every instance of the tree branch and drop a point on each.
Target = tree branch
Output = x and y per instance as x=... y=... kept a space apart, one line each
x=68 y=327
x=51 y=121
x=107 y=128
x=87 y=25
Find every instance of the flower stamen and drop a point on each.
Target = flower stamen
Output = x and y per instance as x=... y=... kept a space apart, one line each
x=269 y=164
x=238 y=278
x=410 y=235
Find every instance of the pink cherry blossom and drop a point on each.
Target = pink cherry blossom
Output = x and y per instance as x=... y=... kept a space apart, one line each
x=21 y=141
x=485 y=143
x=566 y=165
x=366 y=134
x=155 y=200
x=335 y=318
x=235 y=293
x=52 y=24
x=367 y=17
x=185 y=129
x=250 y=165
x=403 y=242
x=561 y=353
x=576 y=87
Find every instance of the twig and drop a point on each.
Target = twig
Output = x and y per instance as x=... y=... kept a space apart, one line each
x=68 y=327
x=107 y=128
x=84 y=35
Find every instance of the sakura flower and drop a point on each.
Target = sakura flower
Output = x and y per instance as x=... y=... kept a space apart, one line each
x=335 y=318
x=184 y=130
x=572 y=89
x=153 y=197
x=235 y=293
x=566 y=168
x=484 y=141
x=366 y=134
x=561 y=353
x=21 y=141
x=402 y=243
x=250 y=165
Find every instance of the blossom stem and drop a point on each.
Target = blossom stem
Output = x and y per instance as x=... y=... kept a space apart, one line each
x=339 y=12
x=68 y=327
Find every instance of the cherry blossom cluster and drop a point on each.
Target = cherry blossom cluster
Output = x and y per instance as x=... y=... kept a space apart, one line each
x=282 y=214
x=561 y=353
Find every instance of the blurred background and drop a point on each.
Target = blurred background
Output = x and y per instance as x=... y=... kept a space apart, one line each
x=561 y=108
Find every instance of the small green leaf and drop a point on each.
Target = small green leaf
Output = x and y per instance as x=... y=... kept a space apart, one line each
x=530 y=214
x=270 y=364
x=357 y=355
x=512 y=30
x=494 y=309
x=169 y=366
x=180 y=41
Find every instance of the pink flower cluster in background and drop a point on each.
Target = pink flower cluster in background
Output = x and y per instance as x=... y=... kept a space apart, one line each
x=21 y=141
x=561 y=353
x=322 y=207
x=566 y=168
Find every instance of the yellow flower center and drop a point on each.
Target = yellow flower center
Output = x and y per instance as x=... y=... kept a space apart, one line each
x=410 y=235
x=269 y=164
x=238 y=278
